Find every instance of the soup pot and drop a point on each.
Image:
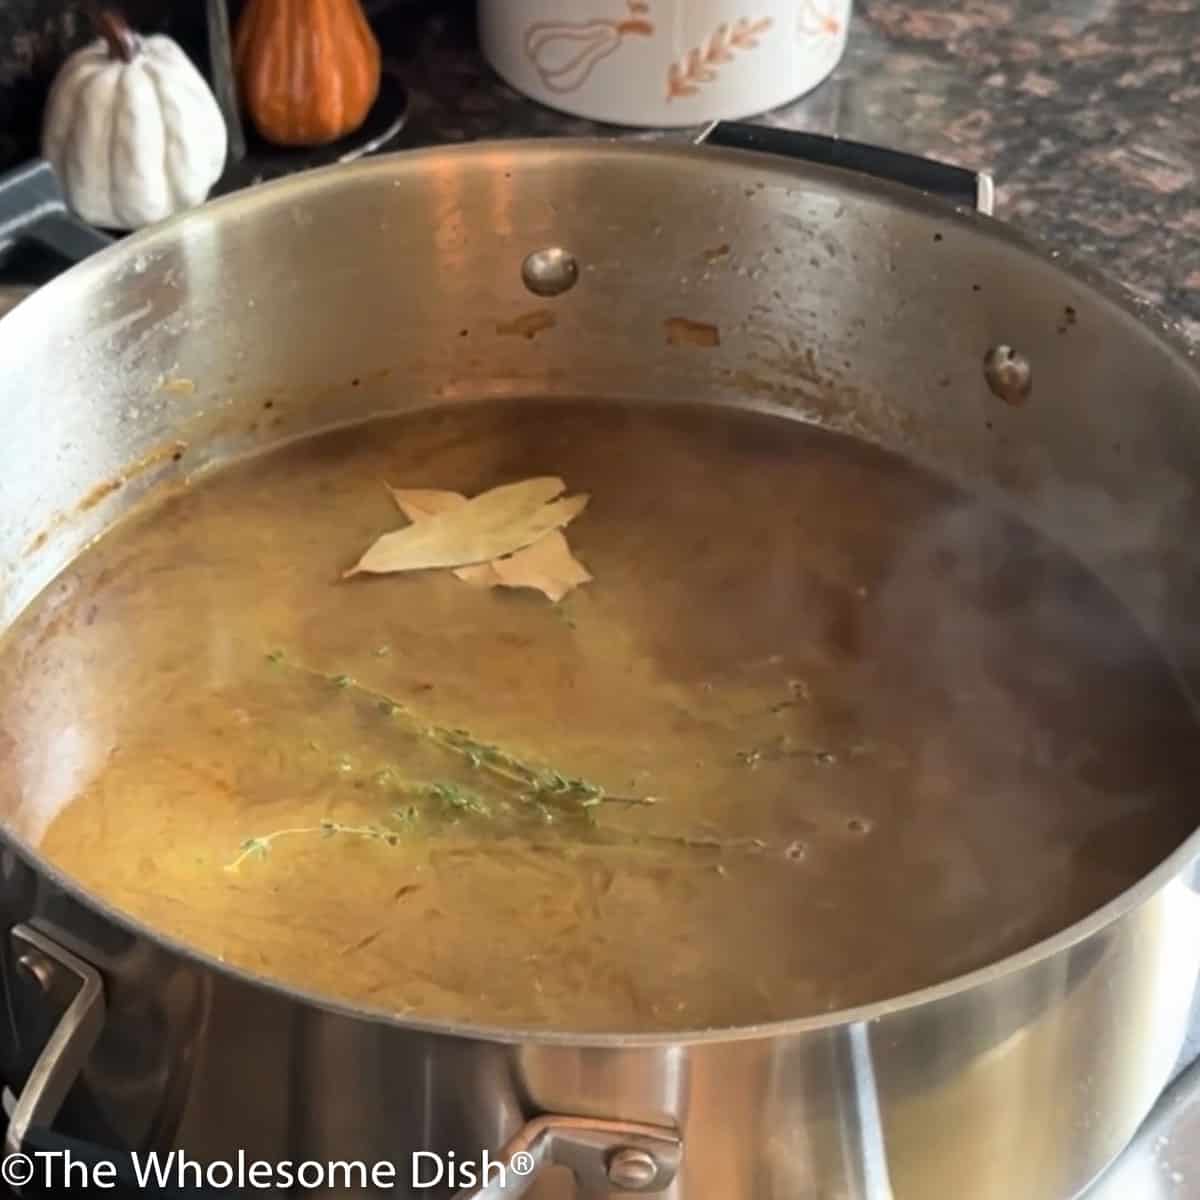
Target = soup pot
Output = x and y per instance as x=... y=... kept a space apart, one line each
x=827 y=294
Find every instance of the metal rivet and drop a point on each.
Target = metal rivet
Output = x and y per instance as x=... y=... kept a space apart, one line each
x=37 y=968
x=550 y=272
x=1008 y=374
x=632 y=1170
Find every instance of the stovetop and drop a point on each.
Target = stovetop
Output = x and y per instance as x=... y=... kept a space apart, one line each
x=24 y=268
x=1163 y=1163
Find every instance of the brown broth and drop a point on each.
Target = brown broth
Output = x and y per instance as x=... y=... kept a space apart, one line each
x=924 y=737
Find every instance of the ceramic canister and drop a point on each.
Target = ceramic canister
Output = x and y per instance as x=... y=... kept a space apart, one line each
x=663 y=62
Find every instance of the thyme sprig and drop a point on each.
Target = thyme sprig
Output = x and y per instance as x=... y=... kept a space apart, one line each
x=258 y=847
x=538 y=785
x=406 y=818
x=543 y=793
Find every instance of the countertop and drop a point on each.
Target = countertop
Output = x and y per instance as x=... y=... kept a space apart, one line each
x=1087 y=112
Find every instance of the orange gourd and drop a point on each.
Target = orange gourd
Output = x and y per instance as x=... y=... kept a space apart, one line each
x=308 y=70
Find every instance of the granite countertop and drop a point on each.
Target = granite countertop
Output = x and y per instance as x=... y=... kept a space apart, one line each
x=1087 y=112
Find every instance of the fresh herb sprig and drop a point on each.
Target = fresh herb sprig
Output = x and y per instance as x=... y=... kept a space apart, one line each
x=542 y=792
x=537 y=785
x=259 y=847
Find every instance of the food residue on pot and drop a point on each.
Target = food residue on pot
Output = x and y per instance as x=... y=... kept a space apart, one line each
x=1068 y=318
x=527 y=325
x=684 y=332
x=173 y=450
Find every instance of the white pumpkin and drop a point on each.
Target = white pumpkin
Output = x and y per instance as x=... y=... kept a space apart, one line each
x=132 y=129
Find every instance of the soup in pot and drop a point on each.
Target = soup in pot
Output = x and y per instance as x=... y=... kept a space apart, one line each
x=820 y=729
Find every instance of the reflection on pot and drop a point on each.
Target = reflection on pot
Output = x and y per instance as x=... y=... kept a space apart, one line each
x=700 y=65
x=564 y=53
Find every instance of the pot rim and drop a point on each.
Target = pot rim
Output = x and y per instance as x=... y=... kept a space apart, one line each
x=1166 y=333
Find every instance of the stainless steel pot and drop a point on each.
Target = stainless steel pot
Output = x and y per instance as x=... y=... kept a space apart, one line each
x=860 y=304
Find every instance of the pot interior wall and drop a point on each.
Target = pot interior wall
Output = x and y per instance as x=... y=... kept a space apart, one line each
x=710 y=277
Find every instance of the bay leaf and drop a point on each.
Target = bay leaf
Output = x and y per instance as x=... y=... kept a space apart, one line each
x=547 y=565
x=418 y=503
x=488 y=526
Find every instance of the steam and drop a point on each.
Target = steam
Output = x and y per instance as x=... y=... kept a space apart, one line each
x=1047 y=734
x=1146 y=549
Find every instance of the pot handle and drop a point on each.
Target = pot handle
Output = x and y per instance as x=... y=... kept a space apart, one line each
x=32 y=206
x=973 y=189
x=606 y=1157
x=58 y=1066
